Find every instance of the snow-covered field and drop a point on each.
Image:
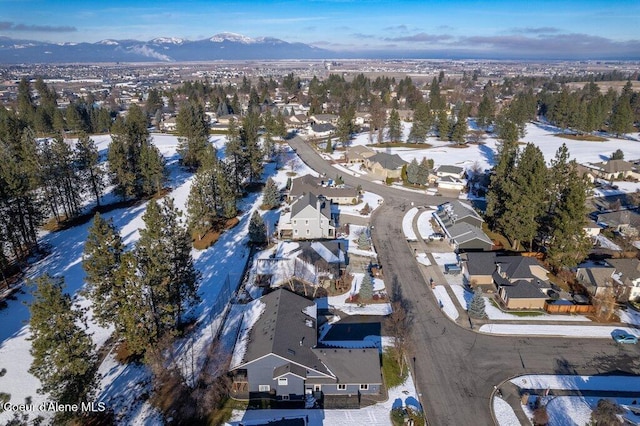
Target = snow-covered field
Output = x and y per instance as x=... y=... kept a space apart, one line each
x=122 y=385
x=424 y=223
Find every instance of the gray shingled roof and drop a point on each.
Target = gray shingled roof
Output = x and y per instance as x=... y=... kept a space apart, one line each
x=289 y=368
x=514 y=267
x=352 y=366
x=285 y=330
x=308 y=183
x=321 y=128
x=388 y=161
x=621 y=217
x=445 y=168
x=309 y=199
x=523 y=290
x=628 y=268
x=464 y=232
x=452 y=211
x=481 y=263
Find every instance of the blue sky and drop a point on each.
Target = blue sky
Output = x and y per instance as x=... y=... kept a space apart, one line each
x=531 y=28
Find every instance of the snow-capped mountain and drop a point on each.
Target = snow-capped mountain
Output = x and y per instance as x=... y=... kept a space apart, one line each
x=220 y=46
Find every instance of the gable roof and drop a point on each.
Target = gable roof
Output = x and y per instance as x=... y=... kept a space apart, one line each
x=514 y=267
x=359 y=150
x=286 y=328
x=629 y=269
x=445 y=168
x=620 y=217
x=464 y=232
x=455 y=210
x=614 y=166
x=352 y=366
x=322 y=128
x=523 y=290
x=596 y=276
x=309 y=199
x=388 y=161
x=308 y=183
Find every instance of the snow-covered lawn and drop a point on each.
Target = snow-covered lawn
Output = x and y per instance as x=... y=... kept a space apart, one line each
x=349 y=171
x=629 y=316
x=121 y=385
x=445 y=258
x=354 y=234
x=576 y=410
x=370 y=198
x=586 y=331
x=407 y=224
x=339 y=302
x=423 y=259
x=424 y=224
x=504 y=413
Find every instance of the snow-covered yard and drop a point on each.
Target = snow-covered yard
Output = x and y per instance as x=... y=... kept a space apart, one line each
x=585 y=331
x=121 y=385
x=445 y=302
x=373 y=200
x=424 y=223
x=407 y=224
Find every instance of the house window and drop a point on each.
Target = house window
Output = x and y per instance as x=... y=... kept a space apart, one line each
x=331 y=232
x=294 y=221
x=308 y=231
x=306 y=222
x=342 y=387
x=295 y=232
x=264 y=388
x=282 y=381
x=364 y=387
x=317 y=388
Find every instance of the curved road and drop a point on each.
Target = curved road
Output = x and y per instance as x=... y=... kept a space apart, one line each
x=456 y=368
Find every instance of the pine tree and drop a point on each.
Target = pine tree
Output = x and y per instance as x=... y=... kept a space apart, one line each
x=152 y=170
x=476 y=307
x=64 y=358
x=424 y=168
x=257 y=229
x=394 y=131
x=363 y=241
x=88 y=160
x=101 y=258
x=569 y=243
x=413 y=169
x=345 y=125
x=192 y=127
x=201 y=203
x=443 y=125
x=270 y=195
x=422 y=122
x=621 y=120
x=366 y=288
x=502 y=172
x=236 y=156
x=249 y=143
x=617 y=155
x=329 y=146
x=486 y=112
x=460 y=128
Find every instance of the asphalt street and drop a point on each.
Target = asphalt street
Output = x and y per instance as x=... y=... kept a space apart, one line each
x=456 y=368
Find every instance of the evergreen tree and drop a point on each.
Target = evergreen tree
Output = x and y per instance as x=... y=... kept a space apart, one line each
x=617 y=155
x=476 y=307
x=424 y=168
x=363 y=241
x=236 y=156
x=422 y=122
x=412 y=171
x=394 y=131
x=460 y=128
x=443 y=125
x=64 y=358
x=154 y=102
x=486 y=111
x=152 y=170
x=270 y=195
x=525 y=197
x=101 y=258
x=88 y=161
x=436 y=101
x=345 y=126
x=569 y=243
x=501 y=174
x=192 y=127
x=257 y=229
x=366 y=288
x=249 y=142
x=202 y=203
x=329 y=146
x=621 y=120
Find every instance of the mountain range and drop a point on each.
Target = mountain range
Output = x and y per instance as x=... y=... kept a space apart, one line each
x=224 y=46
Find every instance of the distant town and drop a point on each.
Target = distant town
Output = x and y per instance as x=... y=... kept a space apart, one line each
x=309 y=242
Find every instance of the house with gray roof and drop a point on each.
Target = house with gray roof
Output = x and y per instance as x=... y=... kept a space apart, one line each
x=627 y=274
x=277 y=355
x=520 y=281
x=599 y=281
x=358 y=154
x=462 y=226
x=385 y=165
x=309 y=218
x=615 y=169
x=451 y=171
x=338 y=194
x=626 y=222
x=321 y=130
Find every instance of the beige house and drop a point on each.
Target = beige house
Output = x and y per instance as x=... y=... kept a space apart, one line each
x=358 y=154
x=385 y=165
x=615 y=170
x=309 y=218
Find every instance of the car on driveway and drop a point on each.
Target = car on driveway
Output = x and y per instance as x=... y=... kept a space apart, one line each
x=625 y=338
x=436 y=236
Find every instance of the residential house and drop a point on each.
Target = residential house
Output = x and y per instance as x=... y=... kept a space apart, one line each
x=452 y=183
x=224 y=120
x=592 y=229
x=321 y=130
x=169 y=125
x=599 y=281
x=298 y=121
x=277 y=356
x=626 y=222
x=462 y=226
x=324 y=119
x=309 y=218
x=338 y=194
x=615 y=170
x=628 y=275
x=520 y=281
x=452 y=171
x=362 y=118
x=385 y=165
x=358 y=154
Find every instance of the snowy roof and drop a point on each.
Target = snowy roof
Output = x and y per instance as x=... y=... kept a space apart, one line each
x=388 y=161
x=254 y=310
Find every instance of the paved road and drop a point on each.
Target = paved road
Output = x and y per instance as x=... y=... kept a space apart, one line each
x=456 y=368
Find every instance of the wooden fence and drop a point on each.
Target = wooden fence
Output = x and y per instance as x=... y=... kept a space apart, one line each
x=568 y=309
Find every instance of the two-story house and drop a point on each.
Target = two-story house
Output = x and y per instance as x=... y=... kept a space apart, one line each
x=277 y=356
x=337 y=194
x=309 y=218
x=462 y=226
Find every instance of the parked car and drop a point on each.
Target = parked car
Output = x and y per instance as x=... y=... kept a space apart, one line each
x=436 y=236
x=624 y=337
x=452 y=268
